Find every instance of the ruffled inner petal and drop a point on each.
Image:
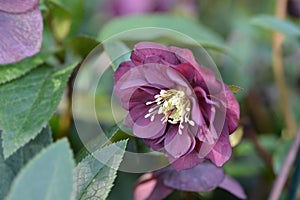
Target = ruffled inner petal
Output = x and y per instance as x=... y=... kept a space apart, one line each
x=178 y=144
x=145 y=128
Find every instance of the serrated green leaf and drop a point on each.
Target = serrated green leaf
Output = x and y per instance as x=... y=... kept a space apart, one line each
x=47 y=176
x=142 y=23
x=275 y=24
x=94 y=179
x=11 y=166
x=117 y=52
x=12 y=71
x=114 y=134
x=27 y=103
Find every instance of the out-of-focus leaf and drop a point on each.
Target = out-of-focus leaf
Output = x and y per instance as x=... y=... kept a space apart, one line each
x=235 y=89
x=76 y=8
x=27 y=103
x=117 y=52
x=94 y=179
x=11 y=166
x=144 y=24
x=275 y=24
x=47 y=176
x=236 y=137
x=244 y=167
x=244 y=56
x=13 y=71
x=60 y=19
x=280 y=154
x=82 y=45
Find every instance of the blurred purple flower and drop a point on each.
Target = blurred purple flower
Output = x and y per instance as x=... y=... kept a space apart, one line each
x=21 y=27
x=128 y=7
x=177 y=105
x=202 y=178
x=294 y=8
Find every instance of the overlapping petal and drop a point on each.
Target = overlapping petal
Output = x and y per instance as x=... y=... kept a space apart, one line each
x=201 y=178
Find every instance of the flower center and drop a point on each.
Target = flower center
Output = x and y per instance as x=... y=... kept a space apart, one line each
x=174 y=105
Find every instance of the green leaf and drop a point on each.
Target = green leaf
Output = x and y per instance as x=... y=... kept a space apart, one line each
x=114 y=134
x=11 y=166
x=275 y=24
x=47 y=176
x=117 y=52
x=60 y=20
x=27 y=103
x=76 y=8
x=82 y=45
x=280 y=154
x=143 y=24
x=13 y=71
x=94 y=179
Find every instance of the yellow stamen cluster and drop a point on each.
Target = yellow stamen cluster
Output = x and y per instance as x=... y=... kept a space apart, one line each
x=174 y=104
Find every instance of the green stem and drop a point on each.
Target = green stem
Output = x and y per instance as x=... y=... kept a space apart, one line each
x=278 y=69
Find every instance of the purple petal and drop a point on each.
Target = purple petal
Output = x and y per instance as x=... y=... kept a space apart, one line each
x=135 y=113
x=184 y=55
x=17 y=6
x=177 y=145
x=151 y=189
x=222 y=150
x=123 y=68
x=145 y=128
x=155 y=144
x=187 y=70
x=126 y=7
x=202 y=178
x=232 y=112
x=143 y=95
x=144 y=50
x=186 y=162
x=233 y=187
x=20 y=35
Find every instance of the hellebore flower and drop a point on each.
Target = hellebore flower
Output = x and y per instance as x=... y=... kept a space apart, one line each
x=202 y=178
x=127 y=7
x=176 y=105
x=21 y=27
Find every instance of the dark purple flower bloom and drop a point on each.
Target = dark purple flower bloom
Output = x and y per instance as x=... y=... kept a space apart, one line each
x=177 y=105
x=294 y=8
x=127 y=7
x=21 y=27
x=202 y=178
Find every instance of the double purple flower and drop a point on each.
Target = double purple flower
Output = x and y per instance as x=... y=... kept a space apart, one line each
x=21 y=27
x=129 y=7
x=176 y=105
